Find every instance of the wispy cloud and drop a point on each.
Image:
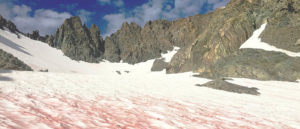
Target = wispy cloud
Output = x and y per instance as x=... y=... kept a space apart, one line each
x=45 y=20
x=69 y=7
x=117 y=3
x=84 y=15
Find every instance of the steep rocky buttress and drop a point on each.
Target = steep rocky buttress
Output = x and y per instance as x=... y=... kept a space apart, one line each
x=77 y=41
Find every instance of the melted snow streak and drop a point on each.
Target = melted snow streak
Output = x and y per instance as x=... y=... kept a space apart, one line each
x=31 y=111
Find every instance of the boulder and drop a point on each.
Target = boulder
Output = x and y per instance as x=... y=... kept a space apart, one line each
x=159 y=65
x=220 y=84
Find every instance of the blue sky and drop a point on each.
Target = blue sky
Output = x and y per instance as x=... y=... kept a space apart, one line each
x=48 y=15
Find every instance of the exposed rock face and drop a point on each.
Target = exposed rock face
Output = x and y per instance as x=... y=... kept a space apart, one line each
x=77 y=41
x=9 y=62
x=232 y=26
x=134 y=44
x=283 y=29
x=228 y=29
x=255 y=64
x=8 y=24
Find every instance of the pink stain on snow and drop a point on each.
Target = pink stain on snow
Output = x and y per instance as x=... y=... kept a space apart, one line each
x=19 y=111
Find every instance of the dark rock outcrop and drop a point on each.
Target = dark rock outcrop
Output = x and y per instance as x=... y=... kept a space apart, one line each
x=8 y=24
x=159 y=65
x=220 y=84
x=255 y=64
x=9 y=62
x=283 y=29
x=77 y=41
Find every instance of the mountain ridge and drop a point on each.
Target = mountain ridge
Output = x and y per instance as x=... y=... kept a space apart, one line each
x=203 y=39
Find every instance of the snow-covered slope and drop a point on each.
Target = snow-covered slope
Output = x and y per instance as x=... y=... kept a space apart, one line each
x=40 y=56
x=255 y=42
x=119 y=95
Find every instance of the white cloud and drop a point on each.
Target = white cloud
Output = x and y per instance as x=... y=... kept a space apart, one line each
x=158 y=9
x=46 y=21
x=117 y=3
x=84 y=15
x=115 y=22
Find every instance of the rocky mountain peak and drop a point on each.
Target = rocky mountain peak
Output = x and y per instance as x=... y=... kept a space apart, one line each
x=74 y=21
x=77 y=41
x=95 y=29
x=130 y=26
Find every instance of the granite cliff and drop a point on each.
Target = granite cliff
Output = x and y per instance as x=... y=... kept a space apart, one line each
x=77 y=41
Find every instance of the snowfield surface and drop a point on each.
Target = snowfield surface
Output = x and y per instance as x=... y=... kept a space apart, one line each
x=118 y=95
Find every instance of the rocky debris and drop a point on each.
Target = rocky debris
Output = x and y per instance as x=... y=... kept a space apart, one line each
x=9 y=62
x=221 y=84
x=77 y=41
x=255 y=64
x=159 y=65
x=283 y=29
x=118 y=72
x=44 y=70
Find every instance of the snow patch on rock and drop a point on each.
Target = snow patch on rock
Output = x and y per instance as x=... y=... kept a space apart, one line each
x=255 y=42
